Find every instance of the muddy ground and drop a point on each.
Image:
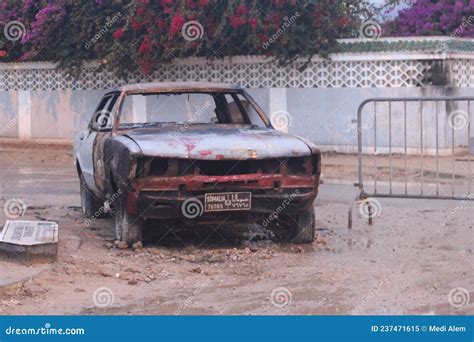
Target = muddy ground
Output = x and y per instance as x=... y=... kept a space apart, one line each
x=406 y=263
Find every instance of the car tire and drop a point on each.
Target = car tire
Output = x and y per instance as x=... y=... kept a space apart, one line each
x=302 y=226
x=90 y=204
x=128 y=228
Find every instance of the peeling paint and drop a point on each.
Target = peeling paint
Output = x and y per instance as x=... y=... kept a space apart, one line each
x=217 y=157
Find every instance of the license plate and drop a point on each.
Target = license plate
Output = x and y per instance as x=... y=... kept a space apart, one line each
x=227 y=201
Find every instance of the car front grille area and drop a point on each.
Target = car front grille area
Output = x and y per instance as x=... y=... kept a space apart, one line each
x=235 y=167
x=165 y=167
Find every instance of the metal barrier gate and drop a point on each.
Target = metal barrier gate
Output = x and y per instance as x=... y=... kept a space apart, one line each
x=425 y=137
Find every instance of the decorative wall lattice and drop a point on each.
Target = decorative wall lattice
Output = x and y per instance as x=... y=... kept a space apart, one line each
x=249 y=74
x=462 y=73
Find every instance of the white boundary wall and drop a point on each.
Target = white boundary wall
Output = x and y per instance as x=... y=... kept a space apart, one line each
x=39 y=101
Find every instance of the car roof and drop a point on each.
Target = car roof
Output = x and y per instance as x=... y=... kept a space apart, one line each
x=178 y=86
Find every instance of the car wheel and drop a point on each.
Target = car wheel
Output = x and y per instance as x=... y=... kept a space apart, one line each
x=90 y=204
x=302 y=226
x=128 y=227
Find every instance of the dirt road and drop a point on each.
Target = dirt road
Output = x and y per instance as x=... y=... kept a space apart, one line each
x=408 y=262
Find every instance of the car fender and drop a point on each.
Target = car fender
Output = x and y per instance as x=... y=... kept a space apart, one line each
x=120 y=156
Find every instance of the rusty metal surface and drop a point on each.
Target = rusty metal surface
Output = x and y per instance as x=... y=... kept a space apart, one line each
x=118 y=154
x=217 y=142
x=98 y=161
x=252 y=181
x=178 y=86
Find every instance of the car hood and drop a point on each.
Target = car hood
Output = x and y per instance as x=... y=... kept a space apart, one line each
x=216 y=142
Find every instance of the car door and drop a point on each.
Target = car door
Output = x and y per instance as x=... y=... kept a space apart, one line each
x=88 y=157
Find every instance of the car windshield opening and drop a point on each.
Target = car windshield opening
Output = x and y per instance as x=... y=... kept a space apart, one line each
x=149 y=109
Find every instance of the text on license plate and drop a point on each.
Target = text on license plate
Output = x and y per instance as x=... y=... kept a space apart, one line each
x=227 y=201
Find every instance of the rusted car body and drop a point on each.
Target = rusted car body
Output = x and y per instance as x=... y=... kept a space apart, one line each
x=221 y=161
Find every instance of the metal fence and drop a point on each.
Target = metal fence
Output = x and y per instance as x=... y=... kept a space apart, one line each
x=412 y=147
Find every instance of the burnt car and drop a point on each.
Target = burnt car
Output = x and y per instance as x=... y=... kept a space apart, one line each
x=199 y=153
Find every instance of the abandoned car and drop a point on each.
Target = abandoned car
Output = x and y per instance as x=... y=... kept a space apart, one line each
x=197 y=153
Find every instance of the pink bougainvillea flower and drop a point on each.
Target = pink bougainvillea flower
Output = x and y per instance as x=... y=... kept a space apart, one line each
x=253 y=22
x=118 y=33
x=236 y=21
x=161 y=23
x=144 y=47
x=177 y=23
x=242 y=9
x=136 y=25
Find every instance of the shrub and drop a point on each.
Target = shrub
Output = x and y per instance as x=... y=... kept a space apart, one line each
x=434 y=17
x=126 y=35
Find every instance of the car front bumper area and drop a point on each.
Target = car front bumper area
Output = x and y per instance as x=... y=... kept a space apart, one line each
x=163 y=197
